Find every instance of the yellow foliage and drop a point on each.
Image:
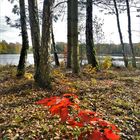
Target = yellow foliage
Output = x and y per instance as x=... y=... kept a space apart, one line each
x=89 y=69
x=93 y=81
x=28 y=76
x=57 y=73
x=107 y=63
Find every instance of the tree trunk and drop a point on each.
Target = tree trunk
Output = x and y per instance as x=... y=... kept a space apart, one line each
x=74 y=33
x=130 y=35
x=54 y=48
x=45 y=81
x=35 y=35
x=89 y=36
x=120 y=34
x=25 y=42
x=69 y=47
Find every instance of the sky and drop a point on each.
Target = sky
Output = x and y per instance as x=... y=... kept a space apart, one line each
x=60 y=28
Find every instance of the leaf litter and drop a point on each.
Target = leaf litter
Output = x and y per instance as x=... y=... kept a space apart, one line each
x=114 y=93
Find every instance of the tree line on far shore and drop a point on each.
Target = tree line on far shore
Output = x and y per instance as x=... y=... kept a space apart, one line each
x=9 y=48
x=101 y=49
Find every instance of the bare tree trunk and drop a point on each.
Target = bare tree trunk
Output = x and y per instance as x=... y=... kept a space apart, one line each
x=54 y=48
x=35 y=35
x=130 y=35
x=120 y=34
x=25 y=42
x=89 y=36
x=74 y=33
x=69 y=41
x=45 y=80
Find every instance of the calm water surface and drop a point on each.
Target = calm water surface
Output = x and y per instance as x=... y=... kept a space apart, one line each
x=13 y=59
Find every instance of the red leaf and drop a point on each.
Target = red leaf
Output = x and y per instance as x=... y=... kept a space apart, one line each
x=64 y=114
x=94 y=120
x=65 y=101
x=110 y=135
x=43 y=101
x=57 y=108
x=88 y=112
x=86 y=115
x=96 y=135
x=48 y=101
x=73 y=123
x=54 y=101
x=104 y=123
x=79 y=124
x=113 y=127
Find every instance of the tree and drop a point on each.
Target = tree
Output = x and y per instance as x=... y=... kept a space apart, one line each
x=138 y=10
x=69 y=36
x=41 y=46
x=120 y=34
x=108 y=5
x=130 y=34
x=74 y=35
x=98 y=30
x=35 y=36
x=3 y=47
x=25 y=42
x=54 y=48
x=45 y=81
x=89 y=35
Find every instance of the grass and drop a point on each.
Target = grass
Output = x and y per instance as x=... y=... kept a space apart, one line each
x=115 y=93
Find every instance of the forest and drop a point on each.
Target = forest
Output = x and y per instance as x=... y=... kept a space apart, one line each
x=11 y=48
x=101 y=49
x=70 y=100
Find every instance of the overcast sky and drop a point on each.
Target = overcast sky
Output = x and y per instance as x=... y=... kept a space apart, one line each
x=60 y=28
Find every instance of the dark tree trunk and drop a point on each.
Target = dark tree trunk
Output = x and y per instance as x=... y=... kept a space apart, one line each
x=25 y=43
x=35 y=35
x=54 y=48
x=130 y=35
x=45 y=80
x=120 y=34
x=74 y=37
x=89 y=36
x=69 y=47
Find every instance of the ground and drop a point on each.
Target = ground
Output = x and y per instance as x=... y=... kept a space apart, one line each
x=114 y=93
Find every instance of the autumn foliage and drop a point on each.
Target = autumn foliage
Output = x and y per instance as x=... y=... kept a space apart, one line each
x=97 y=128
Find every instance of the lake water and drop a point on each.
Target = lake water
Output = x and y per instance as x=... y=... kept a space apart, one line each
x=13 y=59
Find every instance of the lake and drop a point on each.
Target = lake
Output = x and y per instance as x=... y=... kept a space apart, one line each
x=12 y=59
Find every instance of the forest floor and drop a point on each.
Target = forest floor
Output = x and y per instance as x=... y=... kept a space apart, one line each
x=114 y=93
